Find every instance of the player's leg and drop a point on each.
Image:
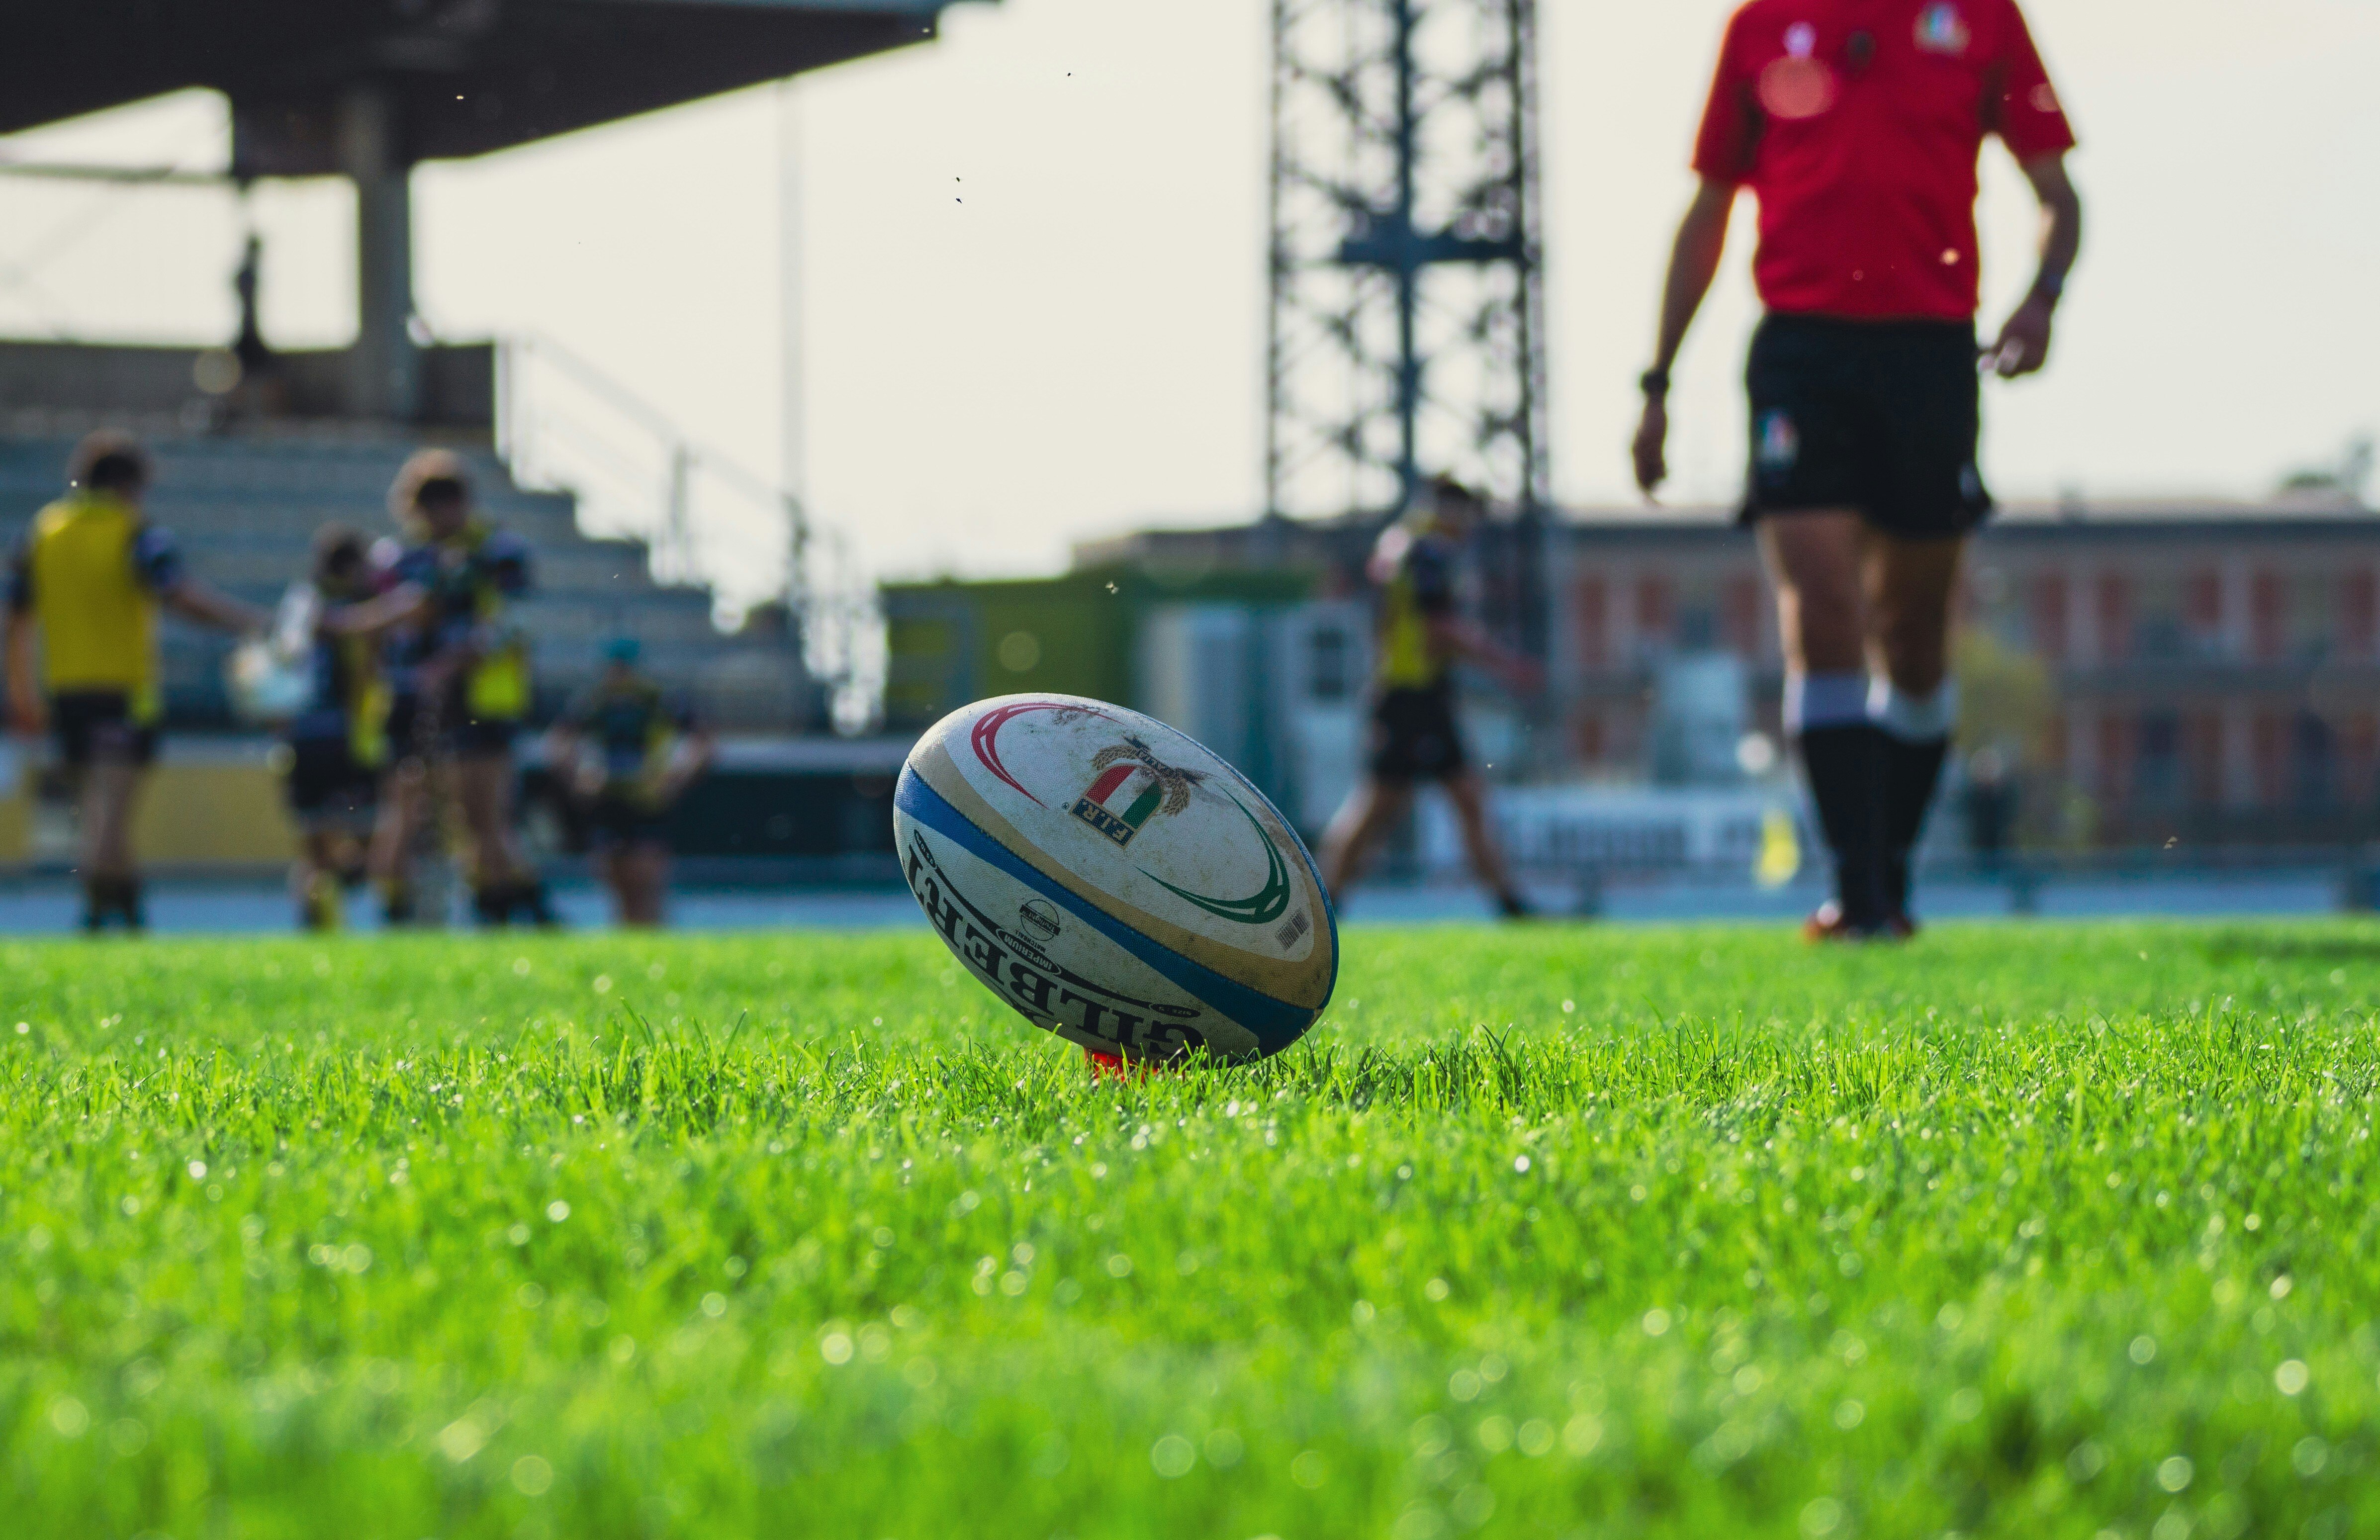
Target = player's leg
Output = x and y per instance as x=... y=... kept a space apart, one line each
x=1469 y=795
x=404 y=802
x=111 y=794
x=314 y=880
x=647 y=880
x=1816 y=560
x=1373 y=808
x=1928 y=496
x=1912 y=700
x=483 y=789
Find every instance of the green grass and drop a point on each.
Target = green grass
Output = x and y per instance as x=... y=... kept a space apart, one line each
x=2017 y=1231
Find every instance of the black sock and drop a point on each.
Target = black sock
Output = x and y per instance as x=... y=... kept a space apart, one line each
x=535 y=902
x=493 y=904
x=97 y=900
x=130 y=902
x=1845 y=762
x=1912 y=767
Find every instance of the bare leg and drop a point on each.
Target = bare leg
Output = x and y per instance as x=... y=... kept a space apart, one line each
x=483 y=784
x=1910 y=583
x=111 y=794
x=1470 y=798
x=1369 y=812
x=1814 y=561
x=403 y=797
x=644 y=880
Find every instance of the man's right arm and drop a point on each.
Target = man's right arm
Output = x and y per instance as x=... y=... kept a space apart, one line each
x=1694 y=263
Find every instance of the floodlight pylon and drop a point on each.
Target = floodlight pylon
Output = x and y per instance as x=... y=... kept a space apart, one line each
x=1407 y=324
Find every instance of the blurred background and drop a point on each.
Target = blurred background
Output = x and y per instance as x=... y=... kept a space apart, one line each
x=863 y=358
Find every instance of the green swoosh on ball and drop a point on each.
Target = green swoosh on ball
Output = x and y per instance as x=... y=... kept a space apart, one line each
x=1259 y=908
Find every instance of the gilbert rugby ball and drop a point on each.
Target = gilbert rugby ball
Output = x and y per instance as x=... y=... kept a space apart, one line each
x=1115 y=881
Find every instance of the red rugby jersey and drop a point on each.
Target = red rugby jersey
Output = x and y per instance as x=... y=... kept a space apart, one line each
x=1857 y=124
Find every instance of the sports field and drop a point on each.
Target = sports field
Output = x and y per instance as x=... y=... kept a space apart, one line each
x=1554 y=1231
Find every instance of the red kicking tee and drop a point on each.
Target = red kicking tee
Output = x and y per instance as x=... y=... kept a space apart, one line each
x=1857 y=124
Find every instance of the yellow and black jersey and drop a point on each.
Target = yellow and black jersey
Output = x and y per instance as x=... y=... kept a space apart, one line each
x=1415 y=566
x=470 y=579
x=636 y=726
x=89 y=573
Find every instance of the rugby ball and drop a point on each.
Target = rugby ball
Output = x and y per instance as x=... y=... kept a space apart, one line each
x=1114 y=880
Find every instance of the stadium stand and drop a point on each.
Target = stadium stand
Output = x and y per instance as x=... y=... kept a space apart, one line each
x=244 y=505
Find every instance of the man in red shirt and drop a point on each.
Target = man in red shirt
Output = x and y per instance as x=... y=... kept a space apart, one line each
x=1857 y=124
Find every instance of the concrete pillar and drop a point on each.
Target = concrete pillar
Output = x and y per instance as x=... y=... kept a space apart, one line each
x=384 y=378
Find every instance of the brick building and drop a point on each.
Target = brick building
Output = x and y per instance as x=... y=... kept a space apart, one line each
x=2160 y=669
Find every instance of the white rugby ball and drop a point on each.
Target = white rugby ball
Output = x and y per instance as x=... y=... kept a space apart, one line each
x=1114 y=880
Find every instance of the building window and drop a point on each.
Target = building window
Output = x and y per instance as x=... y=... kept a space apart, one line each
x=1657 y=612
x=1327 y=664
x=2266 y=601
x=1593 y=623
x=2312 y=621
x=2115 y=748
x=2202 y=754
x=2158 y=632
x=2358 y=753
x=2050 y=616
x=2314 y=764
x=1590 y=738
x=2202 y=609
x=2359 y=615
x=1740 y=617
x=2265 y=749
x=2114 y=616
x=2156 y=766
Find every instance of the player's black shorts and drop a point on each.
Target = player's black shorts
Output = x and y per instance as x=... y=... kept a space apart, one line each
x=482 y=738
x=411 y=734
x=1878 y=417
x=1415 y=736
x=97 y=727
x=617 y=821
x=327 y=788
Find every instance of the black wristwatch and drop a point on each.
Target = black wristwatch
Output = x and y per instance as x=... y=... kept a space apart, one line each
x=1654 y=381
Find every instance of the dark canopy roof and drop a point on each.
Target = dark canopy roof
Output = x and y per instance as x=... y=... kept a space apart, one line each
x=466 y=76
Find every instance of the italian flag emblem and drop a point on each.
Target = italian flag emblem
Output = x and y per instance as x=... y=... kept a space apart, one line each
x=1120 y=801
x=1131 y=788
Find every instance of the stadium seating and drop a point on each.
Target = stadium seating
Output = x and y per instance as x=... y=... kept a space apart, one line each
x=244 y=506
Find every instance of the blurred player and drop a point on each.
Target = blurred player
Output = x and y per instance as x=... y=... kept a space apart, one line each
x=625 y=752
x=88 y=579
x=1415 y=736
x=338 y=742
x=459 y=682
x=1857 y=124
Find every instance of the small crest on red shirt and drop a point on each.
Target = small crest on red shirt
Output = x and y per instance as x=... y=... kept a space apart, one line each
x=1800 y=84
x=1941 y=30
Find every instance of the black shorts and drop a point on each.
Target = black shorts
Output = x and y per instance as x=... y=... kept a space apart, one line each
x=326 y=787
x=1878 y=417
x=1415 y=736
x=412 y=735
x=614 y=823
x=97 y=727
x=482 y=738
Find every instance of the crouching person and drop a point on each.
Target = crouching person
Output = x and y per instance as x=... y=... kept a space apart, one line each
x=625 y=753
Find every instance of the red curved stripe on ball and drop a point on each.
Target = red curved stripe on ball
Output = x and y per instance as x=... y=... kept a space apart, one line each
x=984 y=737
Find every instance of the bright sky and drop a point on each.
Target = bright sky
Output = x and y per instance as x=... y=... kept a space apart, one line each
x=1034 y=260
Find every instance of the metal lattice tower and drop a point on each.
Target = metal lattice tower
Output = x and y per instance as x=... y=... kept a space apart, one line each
x=1407 y=327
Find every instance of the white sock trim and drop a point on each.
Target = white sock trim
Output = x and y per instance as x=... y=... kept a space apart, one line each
x=1825 y=700
x=1915 y=718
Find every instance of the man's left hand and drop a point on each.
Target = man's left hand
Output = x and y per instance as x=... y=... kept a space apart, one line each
x=2024 y=345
